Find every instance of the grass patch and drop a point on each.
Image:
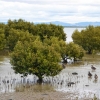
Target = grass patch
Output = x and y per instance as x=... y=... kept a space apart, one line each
x=35 y=88
x=20 y=88
x=42 y=88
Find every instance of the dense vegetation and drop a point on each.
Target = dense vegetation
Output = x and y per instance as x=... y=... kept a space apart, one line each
x=36 y=48
x=75 y=51
x=88 y=38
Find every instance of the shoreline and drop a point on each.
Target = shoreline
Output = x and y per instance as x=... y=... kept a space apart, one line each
x=30 y=94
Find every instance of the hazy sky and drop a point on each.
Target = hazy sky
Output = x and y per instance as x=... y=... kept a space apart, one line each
x=70 y=11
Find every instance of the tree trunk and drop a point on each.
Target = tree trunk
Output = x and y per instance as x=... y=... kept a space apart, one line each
x=74 y=59
x=90 y=51
x=40 y=80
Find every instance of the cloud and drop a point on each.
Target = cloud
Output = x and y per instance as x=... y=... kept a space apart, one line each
x=56 y=2
x=50 y=10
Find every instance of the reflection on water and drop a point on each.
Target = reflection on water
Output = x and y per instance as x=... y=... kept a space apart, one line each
x=5 y=66
x=65 y=81
x=82 y=82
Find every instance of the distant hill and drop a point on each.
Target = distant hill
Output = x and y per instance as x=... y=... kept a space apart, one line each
x=56 y=23
x=80 y=24
x=4 y=22
x=87 y=23
x=61 y=23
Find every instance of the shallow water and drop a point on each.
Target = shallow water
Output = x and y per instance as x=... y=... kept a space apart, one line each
x=83 y=86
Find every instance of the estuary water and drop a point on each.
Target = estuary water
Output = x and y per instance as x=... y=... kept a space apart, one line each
x=69 y=32
x=82 y=85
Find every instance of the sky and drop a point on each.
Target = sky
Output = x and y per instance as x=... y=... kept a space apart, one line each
x=69 y=11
